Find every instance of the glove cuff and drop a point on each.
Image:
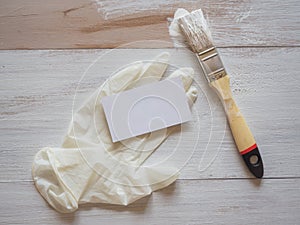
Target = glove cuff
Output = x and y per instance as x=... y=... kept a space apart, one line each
x=49 y=184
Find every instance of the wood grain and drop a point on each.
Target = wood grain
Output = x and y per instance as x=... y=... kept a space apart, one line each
x=38 y=87
x=107 y=24
x=184 y=202
x=259 y=43
x=37 y=90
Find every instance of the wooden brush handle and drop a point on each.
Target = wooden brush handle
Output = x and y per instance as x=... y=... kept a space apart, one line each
x=241 y=133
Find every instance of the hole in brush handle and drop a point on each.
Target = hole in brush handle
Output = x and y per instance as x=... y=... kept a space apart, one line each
x=254 y=162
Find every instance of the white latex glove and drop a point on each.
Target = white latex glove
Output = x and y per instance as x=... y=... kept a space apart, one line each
x=89 y=168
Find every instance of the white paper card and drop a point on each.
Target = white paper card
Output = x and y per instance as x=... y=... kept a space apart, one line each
x=147 y=108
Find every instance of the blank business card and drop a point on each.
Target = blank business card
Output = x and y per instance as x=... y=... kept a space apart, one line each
x=145 y=109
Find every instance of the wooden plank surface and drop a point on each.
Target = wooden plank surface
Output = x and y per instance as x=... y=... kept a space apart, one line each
x=184 y=202
x=259 y=43
x=37 y=24
x=37 y=100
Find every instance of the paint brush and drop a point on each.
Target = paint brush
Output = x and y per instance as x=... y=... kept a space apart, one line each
x=197 y=33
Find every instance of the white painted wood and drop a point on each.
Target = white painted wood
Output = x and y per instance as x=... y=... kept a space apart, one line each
x=36 y=94
x=273 y=201
x=37 y=90
x=110 y=23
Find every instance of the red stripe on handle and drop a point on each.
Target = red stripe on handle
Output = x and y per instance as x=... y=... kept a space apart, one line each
x=248 y=149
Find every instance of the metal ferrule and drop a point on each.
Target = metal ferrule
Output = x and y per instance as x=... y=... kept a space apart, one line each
x=211 y=64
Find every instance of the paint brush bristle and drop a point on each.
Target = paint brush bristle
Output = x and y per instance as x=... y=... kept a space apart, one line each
x=195 y=28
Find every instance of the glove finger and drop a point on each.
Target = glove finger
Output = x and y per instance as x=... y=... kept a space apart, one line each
x=186 y=74
x=135 y=75
x=158 y=67
x=153 y=71
x=121 y=80
x=192 y=95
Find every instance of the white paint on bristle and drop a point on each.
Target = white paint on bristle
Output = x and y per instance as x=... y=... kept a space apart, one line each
x=196 y=30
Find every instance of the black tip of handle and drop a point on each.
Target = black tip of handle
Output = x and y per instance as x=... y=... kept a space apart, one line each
x=254 y=162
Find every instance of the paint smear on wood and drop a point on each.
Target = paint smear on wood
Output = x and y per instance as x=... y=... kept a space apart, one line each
x=243 y=15
x=129 y=9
